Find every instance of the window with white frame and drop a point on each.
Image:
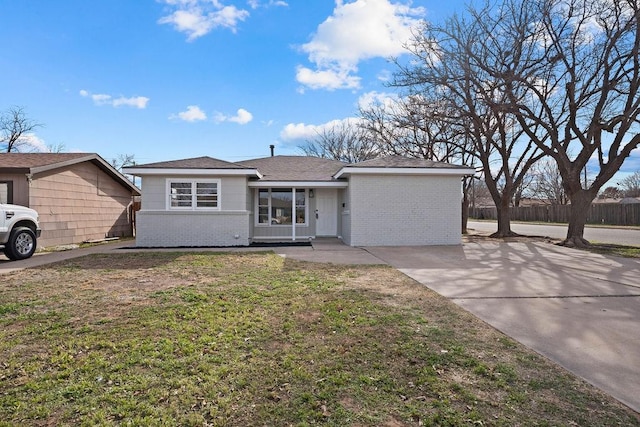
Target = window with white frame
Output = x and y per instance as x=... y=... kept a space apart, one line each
x=193 y=194
x=279 y=206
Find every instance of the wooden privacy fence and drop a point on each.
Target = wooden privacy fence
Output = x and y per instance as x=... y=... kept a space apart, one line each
x=600 y=213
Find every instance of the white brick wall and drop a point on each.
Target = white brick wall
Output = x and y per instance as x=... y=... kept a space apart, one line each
x=388 y=210
x=189 y=228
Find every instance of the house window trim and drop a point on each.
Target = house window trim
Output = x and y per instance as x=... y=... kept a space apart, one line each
x=269 y=222
x=194 y=200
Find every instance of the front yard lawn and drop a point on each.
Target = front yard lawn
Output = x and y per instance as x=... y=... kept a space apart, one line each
x=252 y=339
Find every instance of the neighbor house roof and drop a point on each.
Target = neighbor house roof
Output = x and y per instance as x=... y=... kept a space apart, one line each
x=35 y=163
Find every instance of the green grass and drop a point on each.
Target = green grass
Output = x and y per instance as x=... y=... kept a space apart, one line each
x=616 y=250
x=168 y=339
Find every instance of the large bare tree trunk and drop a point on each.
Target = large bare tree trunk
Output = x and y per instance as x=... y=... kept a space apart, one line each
x=580 y=204
x=504 y=220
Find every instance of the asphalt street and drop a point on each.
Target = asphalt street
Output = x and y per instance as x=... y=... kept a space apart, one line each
x=616 y=236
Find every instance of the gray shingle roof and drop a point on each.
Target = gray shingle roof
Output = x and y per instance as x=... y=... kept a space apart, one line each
x=34 y=160
x=204 y=162
x=403 y=162
x=295 y=168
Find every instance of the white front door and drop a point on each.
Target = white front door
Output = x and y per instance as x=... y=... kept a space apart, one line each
x=326 y=211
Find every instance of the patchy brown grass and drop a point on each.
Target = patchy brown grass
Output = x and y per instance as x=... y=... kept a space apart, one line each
x=254 y=339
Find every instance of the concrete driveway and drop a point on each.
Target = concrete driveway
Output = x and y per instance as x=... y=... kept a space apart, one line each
x=579 y=309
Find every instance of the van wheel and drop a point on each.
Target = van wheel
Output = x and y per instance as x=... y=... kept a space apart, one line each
x=21 y=244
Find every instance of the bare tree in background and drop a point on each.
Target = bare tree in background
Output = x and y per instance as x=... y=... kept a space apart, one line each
x=411 y=127
x=450 y=63
x=418 y=126
x=571 y=71
x=15 y=126
x=344 y=141
x=630 y=185
x=547 y=183
x=124 y=160
x=56 y=148
x=611 y=192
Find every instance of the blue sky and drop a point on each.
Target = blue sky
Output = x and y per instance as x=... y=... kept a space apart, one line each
x=171 y=79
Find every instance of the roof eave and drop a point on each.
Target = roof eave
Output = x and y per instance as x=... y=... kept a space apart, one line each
x=193 y=172
x=458 y=171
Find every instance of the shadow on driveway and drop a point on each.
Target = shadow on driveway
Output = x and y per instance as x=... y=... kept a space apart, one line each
x=577 y=308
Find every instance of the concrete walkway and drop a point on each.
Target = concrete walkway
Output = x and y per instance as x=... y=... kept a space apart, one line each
x=579 y=309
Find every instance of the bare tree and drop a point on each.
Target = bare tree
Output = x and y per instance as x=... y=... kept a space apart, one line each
x=124 y=160
x=412 y=127
x=450 y=62
x=56 y=148
x=415 y=126
x=611 y=192
x=15 y=127
x=547 y=183
x=344 y=141
x=571 y=73
x=630 y=185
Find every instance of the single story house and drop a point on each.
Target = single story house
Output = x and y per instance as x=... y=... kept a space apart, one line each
x=386 y=201
x=78 y=196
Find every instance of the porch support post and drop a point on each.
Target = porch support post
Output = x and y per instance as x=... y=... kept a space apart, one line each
x=293 y=214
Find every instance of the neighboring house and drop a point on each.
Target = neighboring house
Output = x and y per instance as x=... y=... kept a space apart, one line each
x=78 y=196
x=630 y=200
x=387 y=201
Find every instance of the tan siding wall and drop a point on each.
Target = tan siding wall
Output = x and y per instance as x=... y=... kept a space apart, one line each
x=20 y=188
x=405 y=210
x=79 y=203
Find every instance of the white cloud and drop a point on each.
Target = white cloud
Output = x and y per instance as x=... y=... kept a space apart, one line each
x=242 y=117
x=370 y=99
x=197 y=18
x=327 y=79
x=301 y=132
x=356 y=31
x=255 y=4
x=193 y=114
x=139 y=102
x=33 y=142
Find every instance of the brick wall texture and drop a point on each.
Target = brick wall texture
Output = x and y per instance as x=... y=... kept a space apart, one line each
x=192 y=228
x=404 y=210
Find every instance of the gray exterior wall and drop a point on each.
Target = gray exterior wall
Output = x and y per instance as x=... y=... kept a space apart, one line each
x=159 y=227
x=344 y=211
x=192 y=228
x=233 y=192
x=387 y=210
